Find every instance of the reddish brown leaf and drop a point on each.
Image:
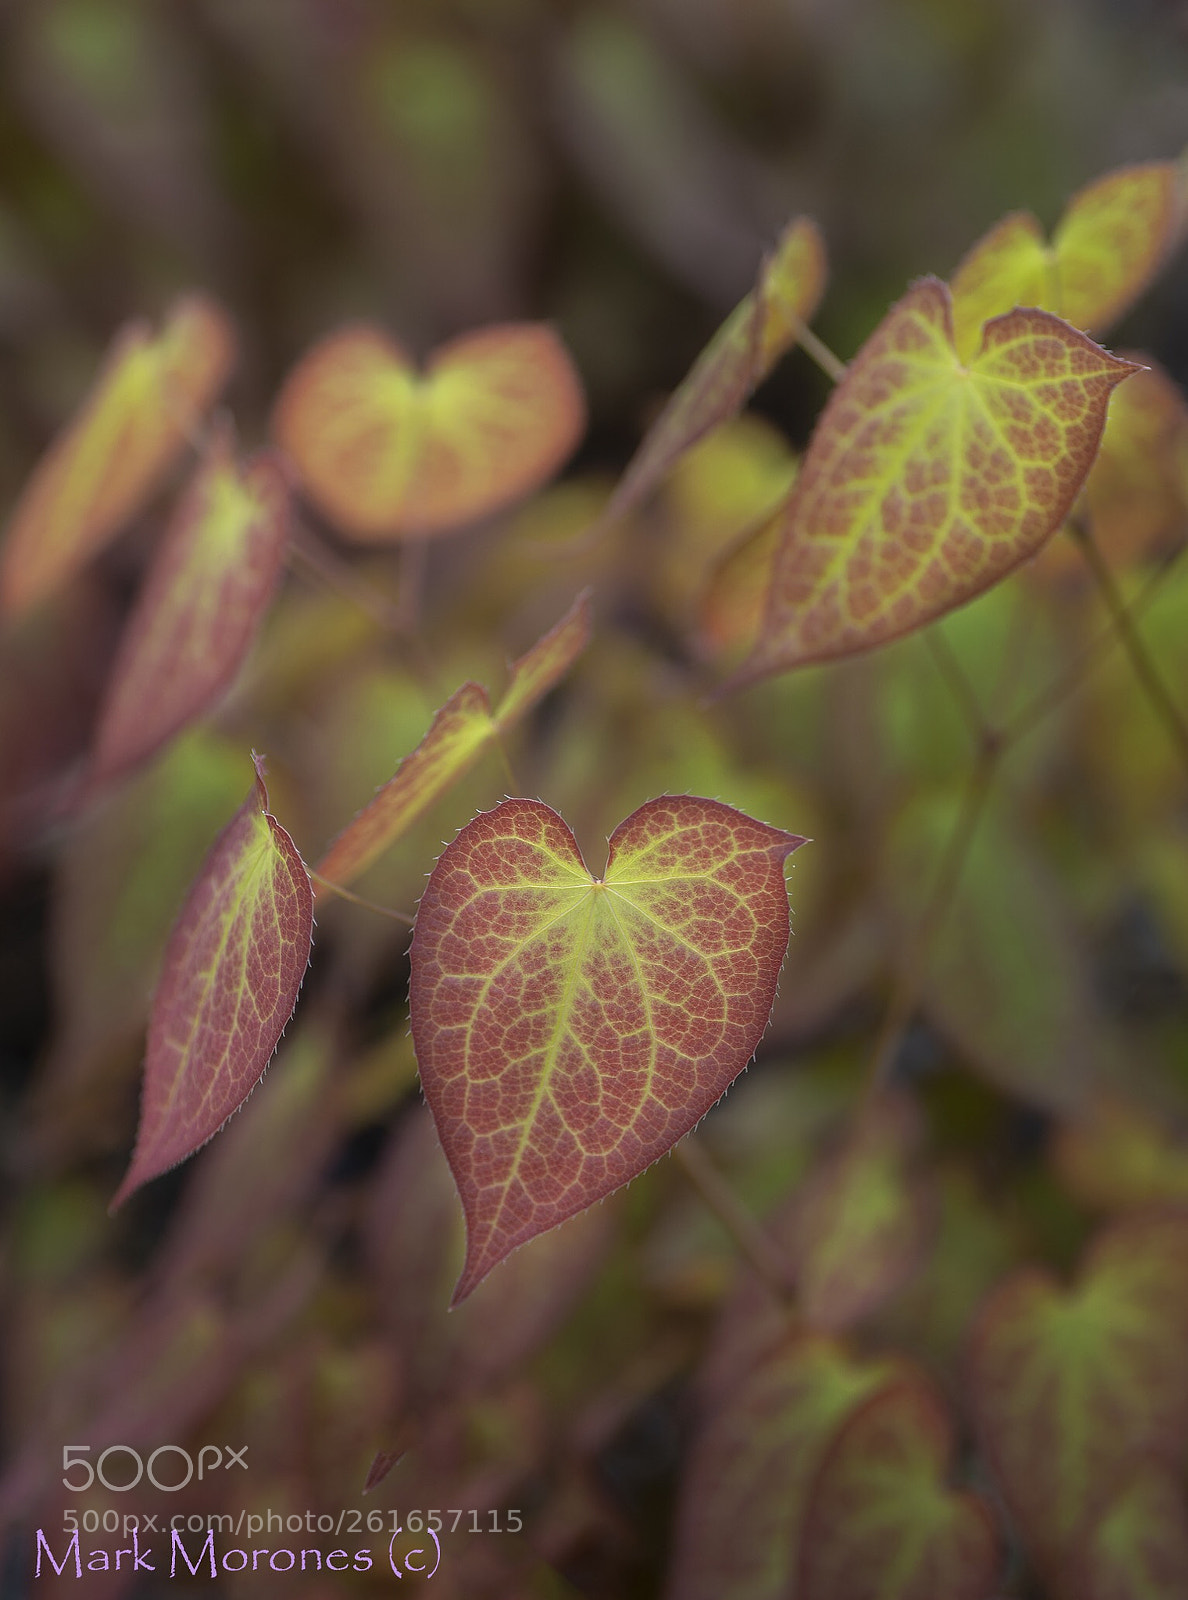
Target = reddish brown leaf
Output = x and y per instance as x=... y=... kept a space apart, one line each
x=570 y=1029
x=388 y=453
x=230 y=977
x=463 y=728
x=1137 y=1548
x=882 y=1523
x=928 y=479
x=132 y=427
x=752 y=1466
x=1076 y=1388
x=198 y=611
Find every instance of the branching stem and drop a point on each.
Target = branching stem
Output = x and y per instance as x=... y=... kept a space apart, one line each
x=753 y=1241
x=1145 y=669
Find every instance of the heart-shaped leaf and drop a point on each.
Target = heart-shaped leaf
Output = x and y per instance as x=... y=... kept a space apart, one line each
x=229 y=982
x=883 y=1523
x=928 y=480
x=1074 y=1389
x=463 y=728
x=132 y=427
x=198 y=611
x=759 y=330
x=570 y=1029
x=751 y=1470
x=1112 y=239
x=387 y=453
x=1137 y=1548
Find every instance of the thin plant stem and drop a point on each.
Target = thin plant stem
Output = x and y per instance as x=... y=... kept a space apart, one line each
x=817 y=350
x=1145 y=670
x=360 y=900
x=962 y=690
x=754 y=1243
x=414 y=565
x=308 y=552
x=909 y=981
x=1076 y=676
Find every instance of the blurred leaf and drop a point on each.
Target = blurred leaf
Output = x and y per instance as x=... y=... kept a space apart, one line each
x=199 y=608
x=954 y=476
x=145 y=404
x=611 y=1024
x=121 y=878
x=1114 y=236
x=388 y=453
x=864 y=1219
x=735 y=475
x=269 y=1157
x=416 y=1244
x=1137 y=1548
x=1117 y=1157
x=1075 y=1389
x=752 y=1466
x=463 y=728
x=734 y=363
x=734 y=601
x=230 y=977
x=882 y=1523
x=1004 y=978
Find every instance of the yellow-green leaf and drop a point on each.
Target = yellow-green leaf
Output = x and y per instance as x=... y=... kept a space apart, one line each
x=1112 y=239
x=463 y=728
x=101 y=470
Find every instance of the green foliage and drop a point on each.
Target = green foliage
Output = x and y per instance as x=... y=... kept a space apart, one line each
x=905 y=1314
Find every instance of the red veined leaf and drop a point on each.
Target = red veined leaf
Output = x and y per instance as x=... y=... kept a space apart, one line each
x=463 y=728
x=752 y=1465
x=740 y=355
x=570 y=1029
x=198 y=611
x=387 y=453
x=927 y=480
x=883 y=1523
x=1112 y=239
x=229 y=982
x=1075 y=1389
x=132 y=427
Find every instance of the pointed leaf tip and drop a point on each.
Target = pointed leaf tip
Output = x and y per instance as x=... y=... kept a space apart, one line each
x=199 y=607
x=570 y=1029
x=131 y=428
x=928 y=480
x=230 y=977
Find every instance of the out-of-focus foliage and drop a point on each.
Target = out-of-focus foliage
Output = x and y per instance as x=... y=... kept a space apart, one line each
x=907 y=1317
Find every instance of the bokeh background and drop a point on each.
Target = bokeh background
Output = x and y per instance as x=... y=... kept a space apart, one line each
x=617 y=170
